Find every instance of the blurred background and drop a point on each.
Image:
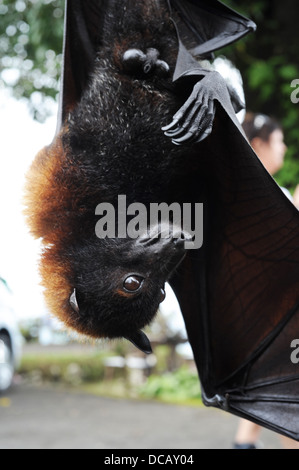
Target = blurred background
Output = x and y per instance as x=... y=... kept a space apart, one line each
x=31 y=35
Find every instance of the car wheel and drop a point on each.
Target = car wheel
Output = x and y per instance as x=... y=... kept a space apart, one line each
x=6 y=363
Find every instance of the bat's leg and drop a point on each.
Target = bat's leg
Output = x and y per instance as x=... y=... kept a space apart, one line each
x=137 y=61
x=194 y=120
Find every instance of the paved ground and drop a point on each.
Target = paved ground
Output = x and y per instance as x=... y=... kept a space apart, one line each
x=45 y=418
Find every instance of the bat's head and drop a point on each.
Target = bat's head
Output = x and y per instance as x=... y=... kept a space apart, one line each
x=115 y=285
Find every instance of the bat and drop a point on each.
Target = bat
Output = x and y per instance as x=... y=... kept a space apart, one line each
x=142 y=122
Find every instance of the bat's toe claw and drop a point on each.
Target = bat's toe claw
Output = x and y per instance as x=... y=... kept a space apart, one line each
x=170 y=126
x=133 y=60
x=137 y=62
x=162 y=66
x=185 y=138
x=133 y=55
x=173 y=133
x=204 y=134
x=179 y=136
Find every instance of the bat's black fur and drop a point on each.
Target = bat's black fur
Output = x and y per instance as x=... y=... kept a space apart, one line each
x=111 y=145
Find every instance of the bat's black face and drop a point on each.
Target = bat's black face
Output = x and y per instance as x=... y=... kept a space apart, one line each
x=120 y=284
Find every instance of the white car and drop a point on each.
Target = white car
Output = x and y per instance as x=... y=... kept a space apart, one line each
x=10 y=338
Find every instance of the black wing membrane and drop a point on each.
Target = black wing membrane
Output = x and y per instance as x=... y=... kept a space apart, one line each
x=205 y=26
x=239 y=293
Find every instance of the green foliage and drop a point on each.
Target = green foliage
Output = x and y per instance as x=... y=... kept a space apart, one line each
x=30 y=50
x=268 y=61
x=86 y=370
x=68 y=368
x=180 y=386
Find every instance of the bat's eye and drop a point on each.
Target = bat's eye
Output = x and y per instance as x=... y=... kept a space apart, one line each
x=133 y=283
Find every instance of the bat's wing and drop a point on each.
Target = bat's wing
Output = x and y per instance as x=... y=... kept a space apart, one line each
x=239 y=293
x=207 y=25
x=202 y=26
x=82 y=36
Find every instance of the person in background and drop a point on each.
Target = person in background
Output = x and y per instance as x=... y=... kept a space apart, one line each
x=266 y=137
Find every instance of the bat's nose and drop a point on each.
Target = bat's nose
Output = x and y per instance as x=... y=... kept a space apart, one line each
x=181 y=236
x=164 y=234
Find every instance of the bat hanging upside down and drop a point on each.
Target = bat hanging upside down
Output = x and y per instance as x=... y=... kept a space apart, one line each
x=141 y=118
x=111 y=143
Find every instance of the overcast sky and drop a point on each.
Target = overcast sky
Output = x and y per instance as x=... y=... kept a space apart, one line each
x=20 y=139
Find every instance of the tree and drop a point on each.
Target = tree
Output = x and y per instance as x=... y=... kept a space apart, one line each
x=268 y=60
x=30 y=50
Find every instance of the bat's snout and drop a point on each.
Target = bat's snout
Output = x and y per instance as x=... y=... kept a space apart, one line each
x=162 y=235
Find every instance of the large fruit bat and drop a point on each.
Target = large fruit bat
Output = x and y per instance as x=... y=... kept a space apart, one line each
x=130 y=69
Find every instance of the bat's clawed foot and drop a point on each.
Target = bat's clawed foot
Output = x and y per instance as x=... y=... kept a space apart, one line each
x=137 y=62
x=194 y=120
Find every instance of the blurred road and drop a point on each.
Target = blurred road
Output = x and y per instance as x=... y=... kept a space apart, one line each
x=47 y=418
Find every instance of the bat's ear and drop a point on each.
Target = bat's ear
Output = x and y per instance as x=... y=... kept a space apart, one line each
x=141 y=341
x=74 y=302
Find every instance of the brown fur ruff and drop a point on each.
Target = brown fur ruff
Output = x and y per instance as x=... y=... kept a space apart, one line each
x=51 y=214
